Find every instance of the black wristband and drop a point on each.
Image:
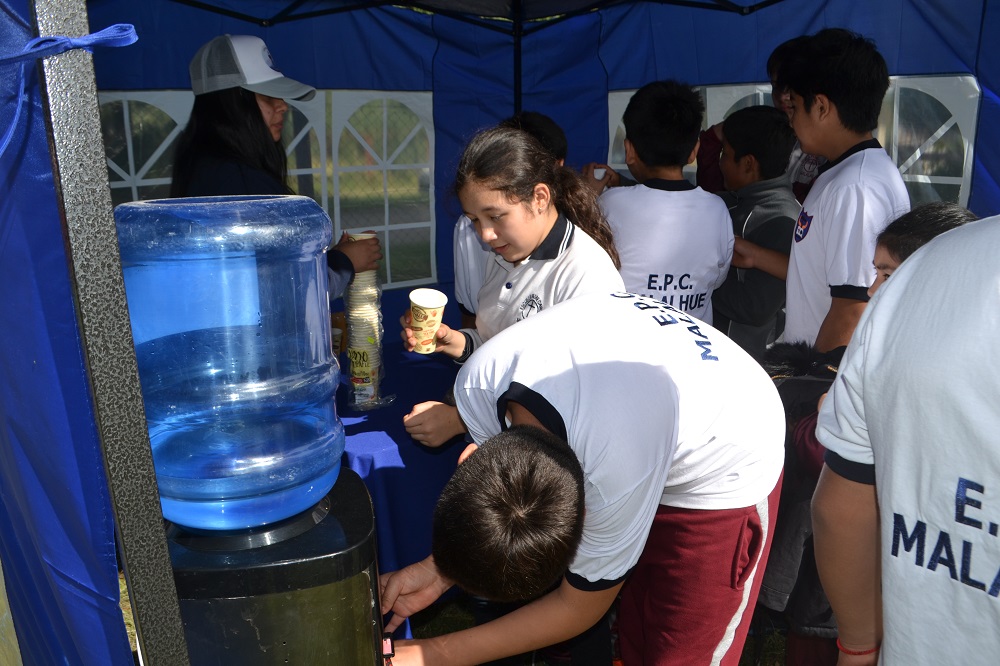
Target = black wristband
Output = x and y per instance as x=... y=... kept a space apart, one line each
x=467 y=352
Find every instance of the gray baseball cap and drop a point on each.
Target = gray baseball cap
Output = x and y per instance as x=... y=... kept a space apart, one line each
x=242 y=61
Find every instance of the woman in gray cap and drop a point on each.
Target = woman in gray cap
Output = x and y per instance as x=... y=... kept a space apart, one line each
x=232 y=142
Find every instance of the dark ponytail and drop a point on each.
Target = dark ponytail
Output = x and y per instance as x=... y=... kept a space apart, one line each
x=512 y=161
x=579 y=203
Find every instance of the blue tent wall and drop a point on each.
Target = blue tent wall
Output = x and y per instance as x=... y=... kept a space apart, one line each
x=56 y=526
x=568 y=67
x=985 y=199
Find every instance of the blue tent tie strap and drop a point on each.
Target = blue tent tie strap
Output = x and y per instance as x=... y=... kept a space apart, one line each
x=121 y=34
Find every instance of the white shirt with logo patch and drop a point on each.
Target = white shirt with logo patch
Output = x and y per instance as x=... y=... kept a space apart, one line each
x=916 y=396
x=659 y=407
x=675 y=244
x=567 y=264
x=834 y=240
x=472 y=257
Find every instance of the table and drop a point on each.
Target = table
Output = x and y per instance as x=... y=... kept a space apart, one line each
x=404 y=478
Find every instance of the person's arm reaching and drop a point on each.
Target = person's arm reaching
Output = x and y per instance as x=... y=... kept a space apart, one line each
x=433 y=423
x=559 y=615
x=410 y=590
x=609 y=178
x=340 y=272
x=845 y=531
x=751 y=255
x=839 y=324
x=363 y=253
x=756 y=299
x=347 y=258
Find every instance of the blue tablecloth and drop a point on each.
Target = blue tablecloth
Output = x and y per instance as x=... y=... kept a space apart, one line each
x=404 y=478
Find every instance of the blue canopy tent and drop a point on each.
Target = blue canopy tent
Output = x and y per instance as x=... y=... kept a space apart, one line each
x=480 y=59
x=481 y=69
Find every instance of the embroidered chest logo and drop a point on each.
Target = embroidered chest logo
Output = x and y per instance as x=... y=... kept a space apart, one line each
x=529 y=305
x=802 y=226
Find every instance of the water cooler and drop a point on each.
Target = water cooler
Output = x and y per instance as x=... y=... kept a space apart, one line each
x=272 y=544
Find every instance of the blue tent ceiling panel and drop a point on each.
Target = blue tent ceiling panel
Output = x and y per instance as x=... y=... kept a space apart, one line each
x=387 y=49
x=382 y=49
x=471 y=73
x=273 y=12
x=565 y=78
x=567 y=66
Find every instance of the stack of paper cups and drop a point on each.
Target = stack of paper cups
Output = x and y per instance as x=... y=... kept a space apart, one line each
x=364 y=335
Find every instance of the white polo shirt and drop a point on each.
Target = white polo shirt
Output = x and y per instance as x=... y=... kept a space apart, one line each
x=659 y=407
x=675 y=241
x=567 y=264
x=472 y=257
x=852 y=200
x=916 y=396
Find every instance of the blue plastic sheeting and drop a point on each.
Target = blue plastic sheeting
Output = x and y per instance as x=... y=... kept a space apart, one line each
x=56 y=527
x=567 y=66
x=986 y=169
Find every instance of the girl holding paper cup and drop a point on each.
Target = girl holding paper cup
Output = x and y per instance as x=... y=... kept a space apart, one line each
x=550 y=241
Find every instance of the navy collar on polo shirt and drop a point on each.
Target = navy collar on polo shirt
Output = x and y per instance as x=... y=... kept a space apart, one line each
x=856 y=148
x=553 y=243
x=682 y=185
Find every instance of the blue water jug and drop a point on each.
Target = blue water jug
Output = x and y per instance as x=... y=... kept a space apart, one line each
x=231 y=321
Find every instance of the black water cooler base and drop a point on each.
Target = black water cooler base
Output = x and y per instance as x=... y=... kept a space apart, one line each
x=303 y=591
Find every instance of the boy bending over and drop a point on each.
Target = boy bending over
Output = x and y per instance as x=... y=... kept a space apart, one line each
x=591 y=479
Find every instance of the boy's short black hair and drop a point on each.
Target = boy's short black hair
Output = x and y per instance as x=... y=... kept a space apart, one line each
x=911 y=231
x=781 y=53
x=510 y=519
x=845 y=67
x=663 y=121
x=764 y=132
x=547 y=131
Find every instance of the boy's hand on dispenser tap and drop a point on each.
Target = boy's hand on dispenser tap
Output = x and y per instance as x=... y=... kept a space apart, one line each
x=409 y=591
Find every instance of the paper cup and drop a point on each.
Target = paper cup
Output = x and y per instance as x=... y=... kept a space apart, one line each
x=362 y=320
x=362 y=235
x=426 y=308
x=600 y=173
x=362 y=294
x=366 y=278
x=364 y=360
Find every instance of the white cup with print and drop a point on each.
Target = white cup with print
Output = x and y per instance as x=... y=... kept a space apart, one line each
x=426 y=309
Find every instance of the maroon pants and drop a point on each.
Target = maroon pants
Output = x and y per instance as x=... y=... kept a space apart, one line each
x=691 y=596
